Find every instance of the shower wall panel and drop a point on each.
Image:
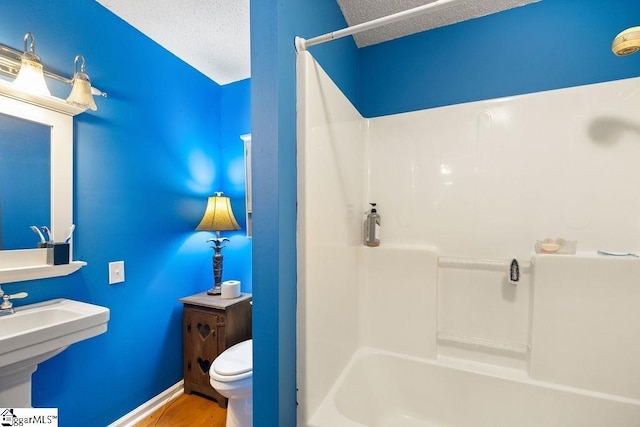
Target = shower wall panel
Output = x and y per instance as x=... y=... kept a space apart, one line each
x=398 y=303
x=330 y=194
x=470 y=182
x=487 y=179
x=586 y=324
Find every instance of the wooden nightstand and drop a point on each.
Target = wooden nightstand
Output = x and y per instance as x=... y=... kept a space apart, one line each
x=211 y=325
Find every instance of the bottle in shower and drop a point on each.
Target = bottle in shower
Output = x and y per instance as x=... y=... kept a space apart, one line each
x=372 y=227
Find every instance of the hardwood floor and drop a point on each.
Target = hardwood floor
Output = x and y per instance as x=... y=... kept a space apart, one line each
x=188 y=410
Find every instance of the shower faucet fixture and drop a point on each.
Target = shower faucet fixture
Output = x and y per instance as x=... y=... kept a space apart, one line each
x=627 y=42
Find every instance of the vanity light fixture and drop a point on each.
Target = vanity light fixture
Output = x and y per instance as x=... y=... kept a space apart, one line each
x=24 y=65
x=30 y=78
x=218 y=217
x=81 y=95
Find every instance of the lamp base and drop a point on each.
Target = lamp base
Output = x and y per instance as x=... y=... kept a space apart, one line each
x=216 y=290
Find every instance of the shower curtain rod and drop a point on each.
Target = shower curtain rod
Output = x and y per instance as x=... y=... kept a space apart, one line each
x=303 y=44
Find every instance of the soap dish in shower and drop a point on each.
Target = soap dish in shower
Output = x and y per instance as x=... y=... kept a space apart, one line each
x=556 y=246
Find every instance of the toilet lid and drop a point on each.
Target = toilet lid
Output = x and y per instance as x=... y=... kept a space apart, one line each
x=235 y=360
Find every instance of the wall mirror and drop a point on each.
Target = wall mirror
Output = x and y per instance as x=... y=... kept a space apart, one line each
x=43 y=125
x=25 y=181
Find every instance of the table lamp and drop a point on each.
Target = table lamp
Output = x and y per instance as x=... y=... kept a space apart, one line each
x=217 y=217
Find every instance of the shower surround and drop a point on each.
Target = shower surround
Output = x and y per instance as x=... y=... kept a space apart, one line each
x=385 y=332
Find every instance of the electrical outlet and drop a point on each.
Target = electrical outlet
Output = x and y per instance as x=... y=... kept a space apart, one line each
x=116 y=272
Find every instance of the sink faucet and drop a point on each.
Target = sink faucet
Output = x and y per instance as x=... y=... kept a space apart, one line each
x=6 y=307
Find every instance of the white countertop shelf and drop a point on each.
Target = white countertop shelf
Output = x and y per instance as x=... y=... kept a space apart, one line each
x=31 y=272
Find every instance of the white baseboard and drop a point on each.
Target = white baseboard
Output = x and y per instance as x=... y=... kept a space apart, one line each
x=150 y=406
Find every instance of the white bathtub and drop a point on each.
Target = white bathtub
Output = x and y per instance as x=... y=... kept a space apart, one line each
x=382 y=389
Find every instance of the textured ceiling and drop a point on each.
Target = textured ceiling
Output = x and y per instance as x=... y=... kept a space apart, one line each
x=213 y=35
x=451 y=11
x=210 y=35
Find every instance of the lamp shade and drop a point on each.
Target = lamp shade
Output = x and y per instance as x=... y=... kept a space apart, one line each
x=218 y=216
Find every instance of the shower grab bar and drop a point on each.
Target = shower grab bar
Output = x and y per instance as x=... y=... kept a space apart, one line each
x=302 y=44
x=481 y=264
x=484 y=342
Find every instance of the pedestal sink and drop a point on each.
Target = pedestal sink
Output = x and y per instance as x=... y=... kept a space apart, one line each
x=37 y=332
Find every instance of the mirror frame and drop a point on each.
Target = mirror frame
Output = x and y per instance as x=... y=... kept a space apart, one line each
x=246 y=139
x=17 y=265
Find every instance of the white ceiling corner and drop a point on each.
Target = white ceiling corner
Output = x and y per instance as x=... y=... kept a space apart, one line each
x=210 y=35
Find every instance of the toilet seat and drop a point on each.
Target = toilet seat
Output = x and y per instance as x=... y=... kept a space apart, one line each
x=234 y=364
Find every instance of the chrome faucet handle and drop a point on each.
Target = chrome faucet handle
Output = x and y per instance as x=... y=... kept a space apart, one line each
x=7 y=304
x=19 y=295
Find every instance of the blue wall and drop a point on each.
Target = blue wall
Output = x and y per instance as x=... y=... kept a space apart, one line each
x=144 y=164
x=235 y=121
x=274 y=24
x=547 y=45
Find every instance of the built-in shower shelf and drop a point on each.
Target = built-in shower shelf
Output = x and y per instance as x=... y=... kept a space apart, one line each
x=483 y=342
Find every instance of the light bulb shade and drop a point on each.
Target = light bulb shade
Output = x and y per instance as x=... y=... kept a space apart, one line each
x=81 y=95
x=30 y=78
x=218 y=216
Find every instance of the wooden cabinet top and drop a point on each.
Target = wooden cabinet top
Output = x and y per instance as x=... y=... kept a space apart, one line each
x=214 y=301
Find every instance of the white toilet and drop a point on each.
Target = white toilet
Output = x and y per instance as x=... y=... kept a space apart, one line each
x=231 y=374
